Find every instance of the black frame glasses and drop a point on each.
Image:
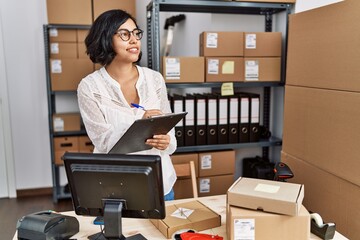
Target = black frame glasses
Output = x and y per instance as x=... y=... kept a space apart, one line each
x=125 y=34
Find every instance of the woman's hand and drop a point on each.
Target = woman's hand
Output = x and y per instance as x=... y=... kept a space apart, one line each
x=160 y=142
x=152 y=112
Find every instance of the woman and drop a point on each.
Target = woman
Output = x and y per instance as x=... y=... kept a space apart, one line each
x=106 y=96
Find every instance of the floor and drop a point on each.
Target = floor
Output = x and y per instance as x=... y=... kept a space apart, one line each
x=13 y=209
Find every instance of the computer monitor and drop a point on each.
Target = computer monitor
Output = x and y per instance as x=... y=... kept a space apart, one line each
x=115 y=186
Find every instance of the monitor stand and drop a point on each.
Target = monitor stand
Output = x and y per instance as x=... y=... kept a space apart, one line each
x=113 y=223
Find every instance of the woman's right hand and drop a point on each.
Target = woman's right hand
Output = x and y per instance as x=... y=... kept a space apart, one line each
x=152 y=112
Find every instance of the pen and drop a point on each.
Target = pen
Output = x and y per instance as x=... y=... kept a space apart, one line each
x=138 y=106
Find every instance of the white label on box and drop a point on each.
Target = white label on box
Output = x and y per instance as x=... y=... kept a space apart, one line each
x=53 y=32
x=58 y=124
x=182 y=213
x=244 y=229
x=213 y=66
x=204 y=185
x=172 y=70
x=56 y=66
x=251 y=70
x=206 y=162
x=267 y=188
x=54 y=48
x=250 y=41
x=211 y=40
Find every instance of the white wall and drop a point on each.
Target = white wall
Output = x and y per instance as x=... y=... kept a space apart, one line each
x=23 y=42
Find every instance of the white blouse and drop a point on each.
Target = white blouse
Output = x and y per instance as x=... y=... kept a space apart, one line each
x=107 y=115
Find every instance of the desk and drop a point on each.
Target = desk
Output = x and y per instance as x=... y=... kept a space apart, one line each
x=146 y=228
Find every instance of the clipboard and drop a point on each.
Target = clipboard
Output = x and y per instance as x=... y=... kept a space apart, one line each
x=134 y=138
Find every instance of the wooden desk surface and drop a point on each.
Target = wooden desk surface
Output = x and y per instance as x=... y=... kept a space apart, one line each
x=146 y=228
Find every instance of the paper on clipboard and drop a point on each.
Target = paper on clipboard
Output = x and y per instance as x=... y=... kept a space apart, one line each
x=134 y=138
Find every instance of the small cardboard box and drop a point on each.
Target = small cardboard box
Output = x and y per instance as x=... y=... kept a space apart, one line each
x=101 y=6
x=85 y=144
x=221 y=44
x=62 y=145
x=214 y=185
x=262 y=44
x=224 y=69
x=262 y=69
x=69 y=12
x=189 y=215
x=66 y=122
x=266 y=195
x=63 y=50
x=62 y=35
x=183 y=69
x=216 y=163
x=260 y=225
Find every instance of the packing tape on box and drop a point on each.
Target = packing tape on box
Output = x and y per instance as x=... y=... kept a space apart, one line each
x=317 y=218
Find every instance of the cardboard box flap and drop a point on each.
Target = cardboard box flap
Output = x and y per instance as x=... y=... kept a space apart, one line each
x=266 y=195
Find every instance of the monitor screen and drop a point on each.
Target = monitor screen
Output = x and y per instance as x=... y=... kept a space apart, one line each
x=103 y=183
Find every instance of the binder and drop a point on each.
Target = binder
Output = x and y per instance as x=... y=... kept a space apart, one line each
x=211 y=119
x=222 y=120
x=200 y=119
x=254 y=117
x=189 y=126
x=178 y=106
x=244 y=121
x=234 y=115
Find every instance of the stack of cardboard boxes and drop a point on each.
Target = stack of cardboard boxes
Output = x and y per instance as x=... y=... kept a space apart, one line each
x=214 y=172
x=229 y=57
x=321 y=115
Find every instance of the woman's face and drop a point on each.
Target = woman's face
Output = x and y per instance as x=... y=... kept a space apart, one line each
x=126 y=43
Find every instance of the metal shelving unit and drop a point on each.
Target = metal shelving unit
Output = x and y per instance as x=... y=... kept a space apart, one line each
x=217 y=6
x=58 y=190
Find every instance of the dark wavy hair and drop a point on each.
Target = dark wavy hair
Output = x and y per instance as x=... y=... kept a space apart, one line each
x=99 y=45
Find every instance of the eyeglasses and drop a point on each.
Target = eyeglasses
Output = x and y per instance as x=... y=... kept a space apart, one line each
x=125 y=34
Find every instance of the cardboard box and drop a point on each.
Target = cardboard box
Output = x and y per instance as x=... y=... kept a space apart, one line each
x=266 y=195
x=63 y=50
x=85 y=144
x=66 y=73
x=186 y=158
x=62 y=145
x=183 y=69
x=224 y=69
x=262 y=44
x=221 y=44
x=214 y=185
x=335 y=199
x=264 y=69
x=321 y=127
x=101 y=6
x=199 y=217
x=81 y=51
x=216 y=163
x=62 y=35
x=69 y=12
x=251 y=224
x=323 y=47
x=66 y=122
x=81 y=34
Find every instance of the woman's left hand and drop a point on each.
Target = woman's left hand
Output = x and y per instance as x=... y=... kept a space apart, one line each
x=160 y=142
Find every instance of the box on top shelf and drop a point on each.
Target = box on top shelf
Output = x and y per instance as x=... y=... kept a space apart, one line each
x=69 y=12
x=247 y=224
x=262 y=44
x=183 y=69
x=262 y=69
x=101 y=6
x=224 y=69
x=266 y=195
x=221 y=44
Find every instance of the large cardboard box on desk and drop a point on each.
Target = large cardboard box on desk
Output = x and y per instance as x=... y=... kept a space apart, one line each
x=251 y=224
x=266 y=195
x=190 y=215
x=183 y=69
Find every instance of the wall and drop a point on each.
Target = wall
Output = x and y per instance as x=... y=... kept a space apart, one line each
x=25 y=66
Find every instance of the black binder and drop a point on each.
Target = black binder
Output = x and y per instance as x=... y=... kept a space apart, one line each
x=223 y=119
x=254 y=117
x=244 y=121
x=189 y=126
x=178 y=106
x=200 y=119
x=211 y=119
x=234 y=115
